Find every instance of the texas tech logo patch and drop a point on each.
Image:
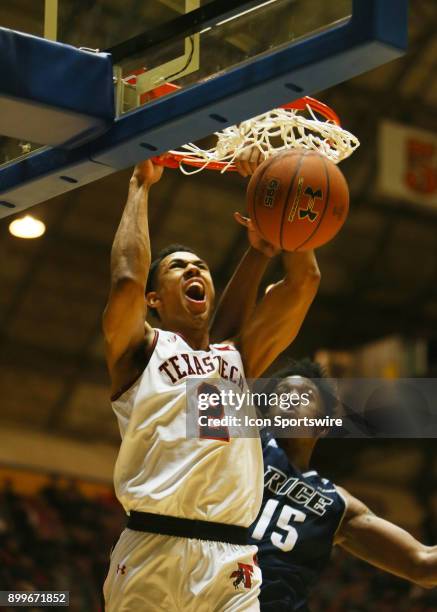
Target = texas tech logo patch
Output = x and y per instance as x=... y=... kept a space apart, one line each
x=242 y=576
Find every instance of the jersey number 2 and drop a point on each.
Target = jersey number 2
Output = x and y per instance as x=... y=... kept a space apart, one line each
x=287 y=542
x=215 y=432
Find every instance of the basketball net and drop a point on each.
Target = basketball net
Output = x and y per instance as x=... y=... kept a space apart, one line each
x=304 y=124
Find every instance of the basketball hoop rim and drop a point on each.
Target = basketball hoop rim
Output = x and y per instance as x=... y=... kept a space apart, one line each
x=316 y=105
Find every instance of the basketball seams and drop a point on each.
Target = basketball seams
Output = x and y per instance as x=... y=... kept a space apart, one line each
x=285 y=205
x=328 y=193
x=255 y=198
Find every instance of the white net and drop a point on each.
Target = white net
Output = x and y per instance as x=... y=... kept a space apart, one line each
x=275 y=131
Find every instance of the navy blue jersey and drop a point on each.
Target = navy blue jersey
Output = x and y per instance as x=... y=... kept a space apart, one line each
x=294 y=531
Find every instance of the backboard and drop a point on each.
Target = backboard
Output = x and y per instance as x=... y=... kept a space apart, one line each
x=228 y=60
x=178 y=41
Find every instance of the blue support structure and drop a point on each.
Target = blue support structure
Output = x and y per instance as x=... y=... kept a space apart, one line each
x=376 y=34
x=40 y=101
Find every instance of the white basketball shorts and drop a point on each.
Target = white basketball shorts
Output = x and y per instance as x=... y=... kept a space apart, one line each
x=159 y=573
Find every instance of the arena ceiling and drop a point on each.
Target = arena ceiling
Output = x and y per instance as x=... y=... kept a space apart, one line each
x=379 y=274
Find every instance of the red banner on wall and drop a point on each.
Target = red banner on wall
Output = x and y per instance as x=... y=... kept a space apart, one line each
x=408 y=164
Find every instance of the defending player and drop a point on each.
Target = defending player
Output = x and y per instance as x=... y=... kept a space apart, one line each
x=190 y=501
x=304 y=515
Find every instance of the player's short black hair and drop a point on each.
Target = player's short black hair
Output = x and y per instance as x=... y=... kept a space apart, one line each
x=154 y=266
x=311 y=370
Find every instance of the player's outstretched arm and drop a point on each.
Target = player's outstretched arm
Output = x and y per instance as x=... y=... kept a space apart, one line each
x=278 y=317
x=124 y=315
x=238 y=300
x=386 y=545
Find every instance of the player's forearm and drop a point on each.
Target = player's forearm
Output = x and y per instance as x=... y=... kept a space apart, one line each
x=407 y=559
x=425 y=567
x=239 y=297
x=386 y=545
x=130 y=255
x=279 y=315
x=301 y=270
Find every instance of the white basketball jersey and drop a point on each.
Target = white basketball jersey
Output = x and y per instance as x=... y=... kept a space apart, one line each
x=162 y=471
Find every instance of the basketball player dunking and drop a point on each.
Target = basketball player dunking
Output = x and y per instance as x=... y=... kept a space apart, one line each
x=190 y=501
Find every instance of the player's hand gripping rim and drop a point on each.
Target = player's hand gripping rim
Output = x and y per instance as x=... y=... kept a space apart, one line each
x=148 y=172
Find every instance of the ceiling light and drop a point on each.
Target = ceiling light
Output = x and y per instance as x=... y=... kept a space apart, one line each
x=27 y=227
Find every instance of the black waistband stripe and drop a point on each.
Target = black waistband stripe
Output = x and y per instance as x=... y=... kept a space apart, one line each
x=187 y=528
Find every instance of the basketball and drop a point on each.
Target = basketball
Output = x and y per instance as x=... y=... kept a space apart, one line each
x=298 y=200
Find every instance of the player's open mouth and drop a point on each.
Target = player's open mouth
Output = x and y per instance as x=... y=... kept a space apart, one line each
x=195 y=295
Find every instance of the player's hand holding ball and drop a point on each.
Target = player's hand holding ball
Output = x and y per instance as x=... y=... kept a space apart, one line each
x=249 y=160
x=255 y=238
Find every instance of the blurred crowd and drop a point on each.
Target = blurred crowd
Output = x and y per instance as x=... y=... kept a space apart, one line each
x=60 y=539
x=57 y=539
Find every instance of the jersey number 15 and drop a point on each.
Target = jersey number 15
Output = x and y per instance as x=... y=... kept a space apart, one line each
x=287 y=542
